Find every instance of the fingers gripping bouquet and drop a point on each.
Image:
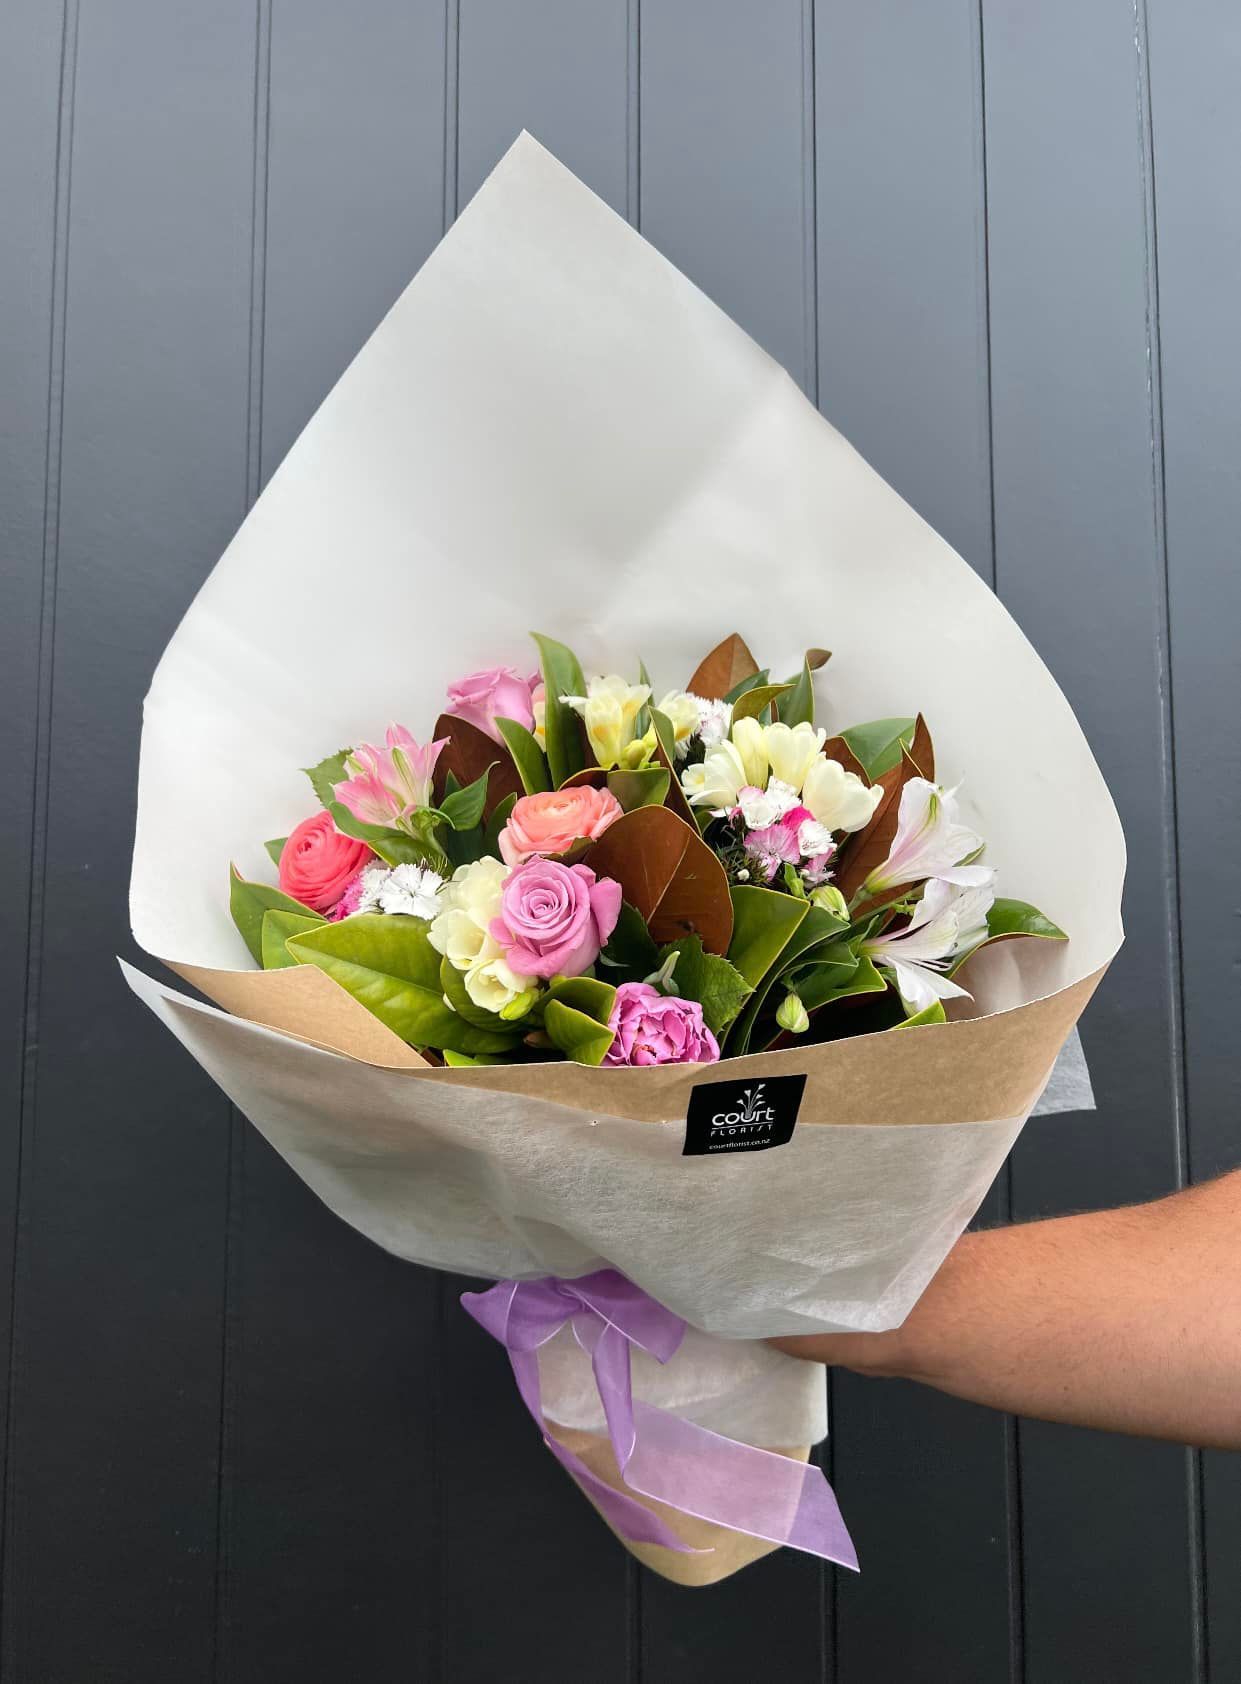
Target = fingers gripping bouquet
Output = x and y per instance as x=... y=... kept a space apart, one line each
x=591 y=876
x=675 y=1005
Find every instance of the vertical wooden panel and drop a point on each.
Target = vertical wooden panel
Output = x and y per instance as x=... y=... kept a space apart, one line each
x=1195 y=69
x=111 y=1559
x=329 y=1546
x=30 y=254
x=903 y=355
x=724 y=131
x=725 y=194
x=528 y=1569
x=1110 y=1588
x=556 y=67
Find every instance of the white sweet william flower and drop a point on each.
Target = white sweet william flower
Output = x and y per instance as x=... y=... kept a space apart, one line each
x=494 y=986
x=714 y=719
x=814 y=838
x=792 y=750
x=716 y=781
x=681 y=711
x=468 y=902
x=929 y=842
x=947 y=922
x=838 y=799
x=412 y=890
x=610 y=709
x=762 y=807
x=374 y=876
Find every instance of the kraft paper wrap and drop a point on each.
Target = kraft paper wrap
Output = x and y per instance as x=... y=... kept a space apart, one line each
x=554 y=430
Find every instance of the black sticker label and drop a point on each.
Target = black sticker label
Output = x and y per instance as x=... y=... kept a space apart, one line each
x=744 y=1116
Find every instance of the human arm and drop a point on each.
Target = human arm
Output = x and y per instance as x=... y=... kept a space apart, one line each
x=1127 y=1320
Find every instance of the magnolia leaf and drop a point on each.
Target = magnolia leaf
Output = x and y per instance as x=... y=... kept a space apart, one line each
x=466 y=755
x=389 y=965
x=764 y=921
x=836 y=748
x=495 y=824
x=860 y=853
x=276 y=928
x=1008 y=919
x=747 y=684
x=529 y=761
x=275 y=849
x=579 y=1036
x=647 y=787
x=586 y=994
x=934 y=1013
x=394 y=847
x=249 y=901
x=562 y=729
x=718 y=986
x=817 y=989
x=462 y=1061
x=668 y=872
x=877 y=745
x=630 y=953
x=463 y=847
x=327 y=773
x=723 y=669
x=815 y=928
x=920 y=751
x=666 y=756
x=463 y=808
x=796 y=705
x=755 y=702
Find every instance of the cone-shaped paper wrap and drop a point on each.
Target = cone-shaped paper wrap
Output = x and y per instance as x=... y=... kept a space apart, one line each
x=554 y=430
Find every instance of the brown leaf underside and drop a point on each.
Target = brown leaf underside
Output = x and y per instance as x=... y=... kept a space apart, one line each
x=667 y=871
x=467 y=756
x=723 y=669
x=866 y=849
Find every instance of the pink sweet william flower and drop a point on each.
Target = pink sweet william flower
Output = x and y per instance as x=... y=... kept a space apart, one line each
x=655 y=1028
x=389 y=784
x=317 y=863
x=496 y=692
x=554 y=918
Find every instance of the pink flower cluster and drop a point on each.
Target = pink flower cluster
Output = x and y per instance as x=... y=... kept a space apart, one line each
x=655 y=1028
x=554 y=918
x=794 y=837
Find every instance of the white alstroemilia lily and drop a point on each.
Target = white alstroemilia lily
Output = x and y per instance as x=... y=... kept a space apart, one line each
x=838 y=799
x=947 y=922
x=929 y=842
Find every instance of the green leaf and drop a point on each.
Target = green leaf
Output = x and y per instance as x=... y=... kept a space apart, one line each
x=249 y=901
x=764 y=921
x=463 y=847
x=389 y=965
x=276 y=928
x=757 y=700
x=1009 y=918
x=630 y=951
x=647 y=787
x=747 y=684
x=819 y=986
x=275 y=849
x=586 y=994
x=934 y=1013
x=326 y=773
x=452 y=985
x=462 y=1061
x=578 y=1036
x=878 y=744
x=796 y=705
x=463 y=808
x=528 y=757
x=394 y=847
x=562 y=676
x=495 y=824
x=718 y=986
x=816 y=929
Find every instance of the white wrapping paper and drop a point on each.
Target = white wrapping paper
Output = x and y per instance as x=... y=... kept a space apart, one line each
x=554 y=429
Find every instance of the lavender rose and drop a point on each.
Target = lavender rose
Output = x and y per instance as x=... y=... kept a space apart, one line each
x=554 y=918
x=480 y=697
x=655 y=1028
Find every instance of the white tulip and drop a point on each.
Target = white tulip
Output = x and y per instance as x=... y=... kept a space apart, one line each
x=837 y=798
x=716 y=781
x=792 y=750
x=749 y=739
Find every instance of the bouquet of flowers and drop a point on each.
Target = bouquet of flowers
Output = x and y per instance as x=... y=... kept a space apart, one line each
x=587 y=989
x=570 y=870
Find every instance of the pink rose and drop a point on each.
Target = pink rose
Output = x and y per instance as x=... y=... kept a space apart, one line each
x=317 y=862
x=554 y=918
x=552 y=822
x=655 y=1028
x=480 y=697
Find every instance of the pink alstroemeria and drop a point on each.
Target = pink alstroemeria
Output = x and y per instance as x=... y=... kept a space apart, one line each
x=948 y=922
x=929 y=842
x=389 y=784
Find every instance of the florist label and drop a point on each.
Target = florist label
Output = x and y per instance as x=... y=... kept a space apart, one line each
x=742 y=1116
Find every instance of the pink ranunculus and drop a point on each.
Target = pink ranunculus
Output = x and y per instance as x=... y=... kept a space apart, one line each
x=317 y=863
x=497 y=692
x=552 y=822
x=554 y=918
x=655 y=1028
x=388 y=784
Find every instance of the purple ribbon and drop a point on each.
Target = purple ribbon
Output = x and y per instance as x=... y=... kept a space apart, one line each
x=659 y=1455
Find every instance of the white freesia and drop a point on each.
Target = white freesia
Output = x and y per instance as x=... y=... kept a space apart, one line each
x=716 y=781
x=762 y=807
x=493 y=985
x=929 y=842
x=948 y=921
x=468 y=901
x=610 y=709
x=411 y=890
x=837 y=798
x=681 y=711
x=792 y=750
x=714 y=719
x=750 y=742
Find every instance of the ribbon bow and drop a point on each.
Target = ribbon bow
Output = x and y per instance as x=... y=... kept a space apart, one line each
x=659 y=1455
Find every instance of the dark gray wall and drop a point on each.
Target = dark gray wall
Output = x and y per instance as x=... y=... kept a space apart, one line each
x=1001 y=244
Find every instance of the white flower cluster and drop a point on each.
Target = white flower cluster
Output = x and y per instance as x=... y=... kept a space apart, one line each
x=755 y=756
x=412 y=891
x=462 y=933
